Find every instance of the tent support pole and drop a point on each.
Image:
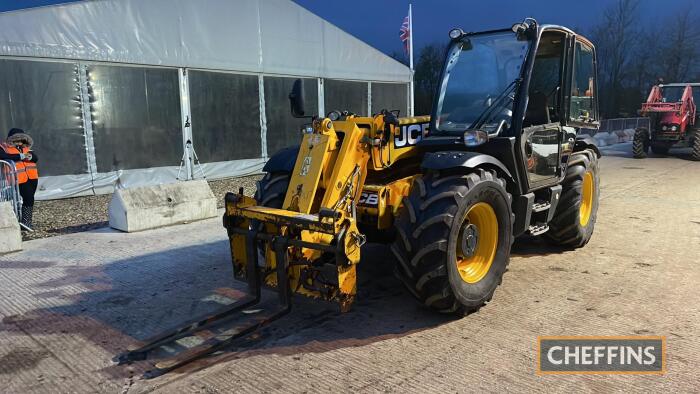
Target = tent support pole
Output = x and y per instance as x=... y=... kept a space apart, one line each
x=263 y=117
x=84 y=92
x=186 y=123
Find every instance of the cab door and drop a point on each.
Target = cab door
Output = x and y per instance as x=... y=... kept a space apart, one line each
x=542 y=148
x=542 y=126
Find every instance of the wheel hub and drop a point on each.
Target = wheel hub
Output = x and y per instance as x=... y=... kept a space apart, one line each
x=477 y=243
x=470 y=239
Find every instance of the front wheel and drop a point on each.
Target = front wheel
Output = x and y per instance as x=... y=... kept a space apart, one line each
x=454 y=234
x=575 y=216
x=695 y=154
x=640 y=143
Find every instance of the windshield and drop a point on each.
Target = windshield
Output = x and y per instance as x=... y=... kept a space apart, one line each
x=672 y=94
x=481 y=72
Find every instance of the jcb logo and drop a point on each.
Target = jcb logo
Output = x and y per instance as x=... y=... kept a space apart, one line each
x=369 y=199
x=410 y=135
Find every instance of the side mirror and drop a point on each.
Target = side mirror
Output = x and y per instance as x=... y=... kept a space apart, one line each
x=296 y=99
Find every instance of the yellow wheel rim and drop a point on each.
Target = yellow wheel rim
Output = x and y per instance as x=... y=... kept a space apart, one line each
x=477 y=242
x=586 y=199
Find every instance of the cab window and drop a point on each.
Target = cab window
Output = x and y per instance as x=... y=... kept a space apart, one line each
x=582 y=107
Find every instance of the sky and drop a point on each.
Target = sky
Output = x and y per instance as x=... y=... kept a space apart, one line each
x=377 y=22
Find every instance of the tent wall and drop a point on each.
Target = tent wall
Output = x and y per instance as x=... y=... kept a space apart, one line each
x=283 y=130
x=256 y=36
x=135 y=117
x=44 y=97
x=225 y=116
x=122 y=93
x=98 y=126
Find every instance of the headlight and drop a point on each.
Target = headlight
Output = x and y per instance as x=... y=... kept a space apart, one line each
x=308 y=129
x=674 y=128
x=664 y=128
x=456 y=33
x=475 y=137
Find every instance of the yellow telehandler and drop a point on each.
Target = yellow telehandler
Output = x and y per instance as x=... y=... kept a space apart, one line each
x=498 y=158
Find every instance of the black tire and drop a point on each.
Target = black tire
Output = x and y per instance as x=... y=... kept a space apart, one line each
x=660 y=148
x=640 y=143
x=566 y=228
x=427 y=232
x=695 y=153
x=270 y=192
x=272 y=189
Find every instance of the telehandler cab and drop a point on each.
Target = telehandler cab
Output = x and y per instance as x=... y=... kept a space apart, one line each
x=498 y=158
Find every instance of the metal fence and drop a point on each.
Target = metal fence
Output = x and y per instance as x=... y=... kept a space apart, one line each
x=610 y=125
x=9 y=188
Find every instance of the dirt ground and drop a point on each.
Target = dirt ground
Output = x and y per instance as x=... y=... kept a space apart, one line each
x=70 y=303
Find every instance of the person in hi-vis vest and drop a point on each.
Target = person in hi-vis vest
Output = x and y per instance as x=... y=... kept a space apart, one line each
x=18 y=148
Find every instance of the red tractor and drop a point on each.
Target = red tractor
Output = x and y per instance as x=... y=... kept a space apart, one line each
x=673 y=120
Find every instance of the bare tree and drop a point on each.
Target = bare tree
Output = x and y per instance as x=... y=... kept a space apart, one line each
x=615 y=37
x=681 y=52
x=426 y=77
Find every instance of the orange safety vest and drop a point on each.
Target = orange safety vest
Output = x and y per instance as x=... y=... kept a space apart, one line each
x=26 y=170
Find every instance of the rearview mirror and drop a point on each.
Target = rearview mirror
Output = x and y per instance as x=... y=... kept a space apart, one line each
x=296 y=99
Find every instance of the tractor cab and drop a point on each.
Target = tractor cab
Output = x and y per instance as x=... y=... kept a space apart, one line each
x=533 y=85
x=671 y=109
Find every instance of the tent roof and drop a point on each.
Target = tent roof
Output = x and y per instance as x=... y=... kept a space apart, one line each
x=267 y=36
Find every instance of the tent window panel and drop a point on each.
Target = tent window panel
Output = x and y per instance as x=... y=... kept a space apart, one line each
x=135 y=117
x=283 y=129
x=225 y=116
x=390 y=96
x=43 y=99
x=345 y=96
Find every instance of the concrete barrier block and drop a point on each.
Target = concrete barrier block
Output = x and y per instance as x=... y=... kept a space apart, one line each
x=602 y=138
x=143 y=208
x=10 y=233
x=621 y=136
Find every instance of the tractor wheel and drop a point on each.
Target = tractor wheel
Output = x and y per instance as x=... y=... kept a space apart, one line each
x=454 y=234
x=272 y=189
x=660 y=148
x=576 y=212
x=695 y=154
x=640 y=143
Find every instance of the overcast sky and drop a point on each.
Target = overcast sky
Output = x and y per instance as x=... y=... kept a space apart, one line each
x=377 y=22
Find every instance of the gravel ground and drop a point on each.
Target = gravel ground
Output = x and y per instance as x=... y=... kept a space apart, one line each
x=72 y=215
x=222 y=186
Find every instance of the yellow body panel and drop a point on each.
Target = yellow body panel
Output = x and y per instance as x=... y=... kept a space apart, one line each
x=313 y=150
x=329 y=177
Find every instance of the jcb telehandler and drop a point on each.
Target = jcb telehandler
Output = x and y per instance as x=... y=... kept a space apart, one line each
x=674 y=120
x=498 y=158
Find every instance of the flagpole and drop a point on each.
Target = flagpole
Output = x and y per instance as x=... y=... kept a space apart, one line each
x=410 y=57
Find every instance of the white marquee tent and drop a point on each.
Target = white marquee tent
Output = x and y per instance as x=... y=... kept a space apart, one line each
x=113 y=90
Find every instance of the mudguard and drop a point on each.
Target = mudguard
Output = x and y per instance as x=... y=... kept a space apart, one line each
x=283 y=160
x=455 y=159
x=587 y=142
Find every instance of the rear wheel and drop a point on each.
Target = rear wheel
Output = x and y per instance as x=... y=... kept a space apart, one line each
x=454 y=234
x=640 y=143
x=270 y=192
x=272 y=189
x=576 y=212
